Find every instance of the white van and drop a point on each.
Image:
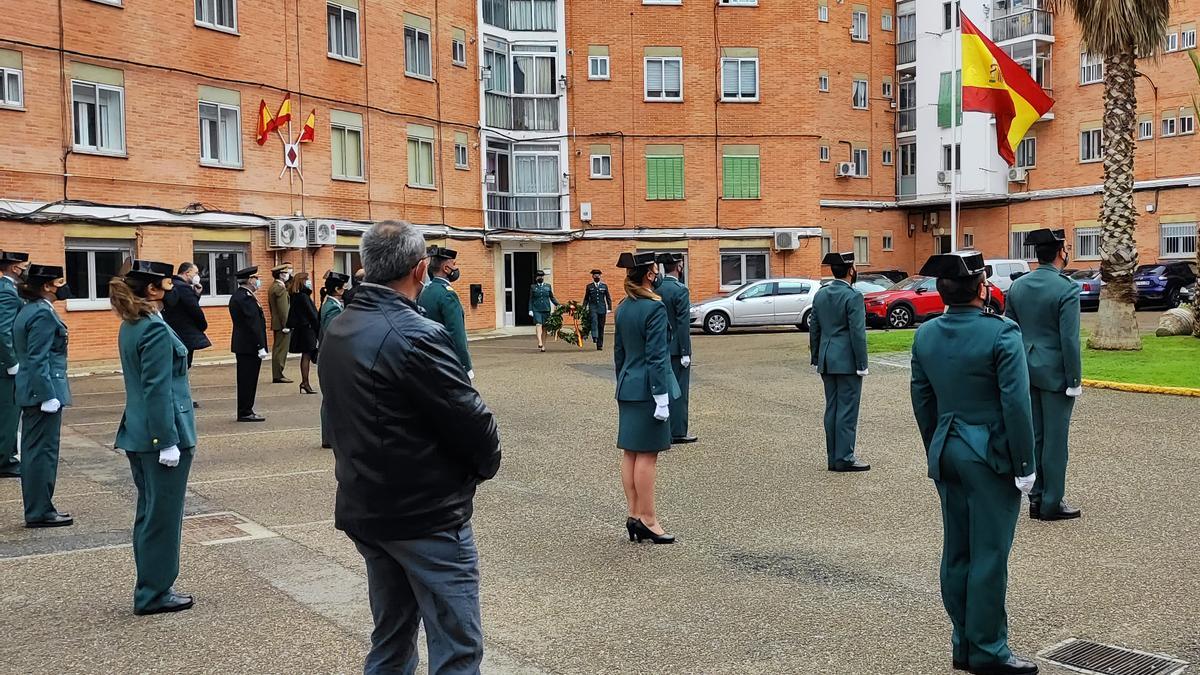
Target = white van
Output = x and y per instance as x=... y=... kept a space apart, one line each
x=1002 y=271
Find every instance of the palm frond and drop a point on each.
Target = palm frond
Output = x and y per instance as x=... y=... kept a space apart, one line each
x=1110 y=27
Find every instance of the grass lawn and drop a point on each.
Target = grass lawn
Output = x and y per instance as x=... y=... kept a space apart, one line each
x=1164 y=362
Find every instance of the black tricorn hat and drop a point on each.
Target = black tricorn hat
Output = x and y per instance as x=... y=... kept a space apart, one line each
x=10 y=257
x=441 y=252
x=44 y=273
x=669 y=258
x=246 y=272
x=335 y=279
x=149 y=270
x=832 y=259
x=959 y=265
x=539 y=273
x=628 y=261
x=597 y=272
x=1045 y=236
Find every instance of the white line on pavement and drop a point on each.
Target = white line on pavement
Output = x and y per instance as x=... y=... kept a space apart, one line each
x=258 y=433
x=66 y=496
x=266 y=476
x=61 y=553
x=311 y=523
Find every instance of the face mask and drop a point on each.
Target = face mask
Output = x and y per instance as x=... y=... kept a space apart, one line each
x=596 y=279
x=1066 y=258
x=541 y=280
x=63 y=293
x=285 y=277
x=196 y=279
x=454 y=275
x=23 y=274
x=256 y=283
x=308 y=285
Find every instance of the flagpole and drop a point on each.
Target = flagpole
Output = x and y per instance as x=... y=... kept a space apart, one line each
x=955 y=112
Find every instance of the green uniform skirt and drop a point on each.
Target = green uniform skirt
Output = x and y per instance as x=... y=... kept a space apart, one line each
x=539 y=318
x=638 y=431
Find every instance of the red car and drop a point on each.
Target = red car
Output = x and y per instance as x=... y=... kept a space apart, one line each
x=913 y=300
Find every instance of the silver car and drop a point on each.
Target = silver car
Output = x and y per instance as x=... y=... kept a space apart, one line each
x=770 y=302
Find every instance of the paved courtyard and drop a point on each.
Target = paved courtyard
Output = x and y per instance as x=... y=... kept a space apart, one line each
x=781 y=567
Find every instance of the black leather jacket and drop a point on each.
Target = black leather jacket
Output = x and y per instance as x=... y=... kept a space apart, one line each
x=411 y=437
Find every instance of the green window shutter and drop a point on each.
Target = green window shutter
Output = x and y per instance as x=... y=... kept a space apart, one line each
x=741 y=178
x=664 y=178
x=676 y=168
x=950 y=98
x=652 y=183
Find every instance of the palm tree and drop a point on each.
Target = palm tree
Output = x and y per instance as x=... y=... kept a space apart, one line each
x=1119 y=31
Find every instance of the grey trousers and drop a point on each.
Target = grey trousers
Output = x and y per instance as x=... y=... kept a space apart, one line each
x=434 y=579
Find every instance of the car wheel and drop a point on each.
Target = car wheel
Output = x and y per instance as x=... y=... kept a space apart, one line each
x=803 y=325
x=900 y=316
x=716 y=323
x=1173 y=298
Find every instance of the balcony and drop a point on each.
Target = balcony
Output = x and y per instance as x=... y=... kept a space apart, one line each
x=522 y=113
x=519 y=212
x=907 y=121
x=906 y=52
x=906 y=187
x=521 y=15
x=1031 y=22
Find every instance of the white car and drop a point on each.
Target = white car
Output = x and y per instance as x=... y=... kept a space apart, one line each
x=1002 y=271
x=770 y=302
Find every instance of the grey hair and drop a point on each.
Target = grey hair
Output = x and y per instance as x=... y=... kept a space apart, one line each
x=390 y=250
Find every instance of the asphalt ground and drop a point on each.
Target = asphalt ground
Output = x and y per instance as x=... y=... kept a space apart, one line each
x=781 y=566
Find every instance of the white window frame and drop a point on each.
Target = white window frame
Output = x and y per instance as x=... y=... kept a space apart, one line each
x=211 y=250
x=743 y=255
x=646 y=80
x=968 y=240
x=860 y=20
x=1186 y=125
x=861 y=167
x=1183 y=232
x=201 y=6
x=237 y=115
x=423 y=144
x=341 y=26
x=887 y=157
x=738 y=3
x=111 y=3
x=87 y=299
x=824 y=153
x=823 y=83
x=1187 y=39
x=1171 y=42
x=343 y=262
x=956 y=159
x=886 y=22
x=1169 y=127
x=860 y=94
x=1091 y=69
x=11 y=103
x=889 y=241
x=662 y=2
x=887 y=89
x=594 y=71
x=739 y=98
x=458 y=52
x=95 y=149
x=862 y=249
x=1089 y=233
x=1145 y=130
x=1017 y=250
x=461 y=157
x=823 y=13
x=362 y=171
x=596 y=167
x=1085 y=141
x=952 y=20
x=417 y=33
x=1023 y=156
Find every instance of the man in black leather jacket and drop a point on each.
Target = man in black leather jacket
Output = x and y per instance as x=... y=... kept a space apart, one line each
x=411 y=441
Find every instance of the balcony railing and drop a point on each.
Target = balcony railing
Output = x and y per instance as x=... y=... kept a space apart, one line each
x=906 y=52
x=520 y=14
x=907 y=121
x=516 y=212
x=1031 y=22
x=906 y=186
x=518 y=113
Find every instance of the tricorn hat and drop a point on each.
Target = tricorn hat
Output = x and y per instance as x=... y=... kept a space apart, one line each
x=628 y=261
x=597 y=272
x=10 y=257
x=246 y=272
x=539 y=273
x=441 y=252
x=40 y=274
x=1045 y=236
x=832 y=259
x=335 y=279
x=959 y=265
x=149 y=270
x=669 y=258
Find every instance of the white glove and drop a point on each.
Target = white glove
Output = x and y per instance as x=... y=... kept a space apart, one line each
x=51 y=406
x=815 y=369
x=169 y=456
x=14 y=369
x=685 y=361
x=285 y=331
x=471 y=375
x=530 y=312
x=1025 y=485
x=1074 y=392
x=662 y=407
x=862 y=373
x=262 y=354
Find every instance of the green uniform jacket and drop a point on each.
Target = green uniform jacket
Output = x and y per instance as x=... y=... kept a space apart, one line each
x=969 y=378
x=330 y=310
x=441 y=304
x=837 y=330
x=1045 y=303
x=678 y=301
x=280 y=302
x=540 y=298
x=640 y=351
x=40 y=339
x=158 y=401
x=10 y=304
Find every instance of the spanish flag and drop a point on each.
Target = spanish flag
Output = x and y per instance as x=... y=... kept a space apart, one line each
x=309 y=133
x=993 y=83
x=285 y=112
x=266 y=122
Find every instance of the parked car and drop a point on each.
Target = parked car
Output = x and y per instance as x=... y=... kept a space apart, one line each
x=877 y=278
x=863 y=287
x=913 y=300
x=770 y=302
x=1003 y=271
x=1162 y=283
x=1089 y=286
x=1190 y=294
x=893 y=276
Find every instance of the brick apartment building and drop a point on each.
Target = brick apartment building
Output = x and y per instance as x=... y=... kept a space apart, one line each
x=547 y=134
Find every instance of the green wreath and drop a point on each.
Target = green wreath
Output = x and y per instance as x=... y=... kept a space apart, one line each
x=554 y=325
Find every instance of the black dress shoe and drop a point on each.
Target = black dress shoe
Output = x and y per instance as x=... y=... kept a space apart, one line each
x=1065 y=512
x=640 y=532
x=959 y=665
x=849 y=467
x=684 y=439
x=195 y=404
x=1035 y=510
x=326 y=446
x=1015 y=665
x=56 y=520
x=10 y=474
x=282 y=380
x=252 y=417
x=173 y=602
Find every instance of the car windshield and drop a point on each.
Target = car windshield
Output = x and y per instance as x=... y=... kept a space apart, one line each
x=1083 y=274
x=868 y=287
x=908 y=284
x=1150 y=269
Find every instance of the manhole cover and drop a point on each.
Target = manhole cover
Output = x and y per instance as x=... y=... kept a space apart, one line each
x=1092 y=657
x=221 y=528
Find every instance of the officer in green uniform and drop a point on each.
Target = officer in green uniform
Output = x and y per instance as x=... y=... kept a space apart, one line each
x=678 y=301
x=837 y=340
x=334 y=305
x=12 y=267
x=599 y=303
x=1045 y=303
x=970 y=395
x=280 y=302
x=540 y=298
x=40 y=340
x=157 y=432
x=441 y=303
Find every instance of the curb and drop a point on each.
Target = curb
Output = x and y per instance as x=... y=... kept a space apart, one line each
x=1142 y=388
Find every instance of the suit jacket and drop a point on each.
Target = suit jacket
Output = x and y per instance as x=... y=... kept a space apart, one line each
x=181 y=311
x=280 y=302
x=10 y=305
x=837 y=328
x=969 y=380
x=249 y=324
x=40 y=339
x=1045 y=303
x=678 y=301
x=330 y=309
x=597 y=298
x=540 y=297
x=640 y=351
x=441 y=304
x=158 y=402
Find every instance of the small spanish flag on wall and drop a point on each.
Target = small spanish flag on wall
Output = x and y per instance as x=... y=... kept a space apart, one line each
x=266 y=122
x=310 y=128
x=285 y=112
x=993 y=83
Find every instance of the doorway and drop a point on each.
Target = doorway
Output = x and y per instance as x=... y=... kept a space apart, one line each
x=519 y=269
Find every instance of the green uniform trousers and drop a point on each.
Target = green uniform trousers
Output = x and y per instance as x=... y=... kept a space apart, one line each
x=679 y=406
x=40 y=433
x=842 y=395
x=10 y=419
x=279 y=352
x=1051 y=423
x=979 y=519
x=158 y=524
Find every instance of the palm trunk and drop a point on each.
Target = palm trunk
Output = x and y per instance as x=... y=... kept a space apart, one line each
x=1118 y=328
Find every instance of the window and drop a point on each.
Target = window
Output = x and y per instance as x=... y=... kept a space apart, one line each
x=1091 y=69
x=950 y=100
x=420 y=156
x=744 y=3
x=1187 y=122
x=739 y=79
x=826 y=243
x=521 y=14
x=886 y=21
x=1090 y=145
x=601 y=166
x=664 y=78
x=220 y=135
x=860 y=162
x=738 y=267
x=418 y=61
x=1168 y=125
x=823 y=82
x=858 y=29
x=824 y=153
x=347 y=261
x=1178 y=240
x=886 y=158
x=1027 y=153
x=862 y=249
x=1171 y=42
x=1188 y=38
x=10 y=88
x=664 y=172
x=968 y=239
x=906 y=182
x=741 y=172
x=343 y=32
x=346 y=142
x=458 y=52
x=950 y=16
x=90 y=265
x=1087 y=243
x=461 y=158
x=823 y=13
x=217 y=14
x=886 y=89
x=859 y=95
x=98 y=117
x=956 y=158
x=1145 y=130
x=598 y=68
x=1017 y=248
x=218 y=263
x=888 y=241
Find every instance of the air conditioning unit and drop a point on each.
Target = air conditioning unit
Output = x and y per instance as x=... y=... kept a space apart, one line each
x=287 y=234
x=787 y=240
x=585 y=212
x=845 y=169
x=322 y=234
x=1018 y=175
x=943 y=178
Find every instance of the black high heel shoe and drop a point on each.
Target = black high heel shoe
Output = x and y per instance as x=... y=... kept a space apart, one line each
x=306 y=389
x=642 y=532
x=631 y=525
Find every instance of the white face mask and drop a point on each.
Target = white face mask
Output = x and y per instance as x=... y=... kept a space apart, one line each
x=285 y=277
x=308 y=285
x=196 y=279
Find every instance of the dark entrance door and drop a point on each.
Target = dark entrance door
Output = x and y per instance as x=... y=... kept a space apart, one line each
x=524 y=265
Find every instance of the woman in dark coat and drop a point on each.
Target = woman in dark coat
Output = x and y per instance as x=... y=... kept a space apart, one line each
x=305 y=325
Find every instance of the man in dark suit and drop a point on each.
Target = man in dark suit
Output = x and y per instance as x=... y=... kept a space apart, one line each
x=249 y=342
x=599 y=303
x=181 y=310
x=838 y=342
x=678 y=300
